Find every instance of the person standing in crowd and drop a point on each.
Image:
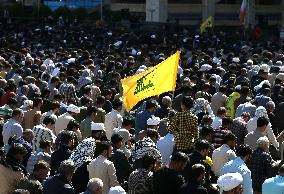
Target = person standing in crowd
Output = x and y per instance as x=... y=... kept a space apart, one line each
x=63 y=120
x=217 y=121
x=261 y=164
x=166 y=105
x=32 y=116
x=219 y=99
x=33 y=183
x=252 y=137
x=61 y=183
x=196 y=181
x=82 y=156
x=43 y=132
x=140 y=180
x=184 y=126
x=63 y=153
x=239 y=165
x=119 y=159
x=86 y=124
x=275 y=184
x=43 y=153
x=231 y=183
x=53 y=112
x=239 y=128
x=100 y=118
x=146 y=146
x=167 y=180
x=224 y=154
x=113 y=119
x=12 y=127
x=142 y=117
x=101 y=167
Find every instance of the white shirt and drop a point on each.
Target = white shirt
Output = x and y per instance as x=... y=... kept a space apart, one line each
x=221 y=156
x=104 y=169
x=113 y=120
x=62 y=122
x=238 y=165
x=165 y=146
x=217 y=123
x=11 y=128
x=252 y=125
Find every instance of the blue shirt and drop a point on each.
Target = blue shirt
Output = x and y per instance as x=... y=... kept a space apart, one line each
x=262 y=100
x=238 y=165
x=141 y=121
x=274 y=185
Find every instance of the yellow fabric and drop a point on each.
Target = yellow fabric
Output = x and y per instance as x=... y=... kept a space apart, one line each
x=206 y=24
x=156 y=80
x=208 y=160
x=230 y=104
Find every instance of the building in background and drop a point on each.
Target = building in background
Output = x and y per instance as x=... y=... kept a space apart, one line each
x=192 y=12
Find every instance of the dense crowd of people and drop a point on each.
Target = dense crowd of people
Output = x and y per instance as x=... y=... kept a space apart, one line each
x=65 y=129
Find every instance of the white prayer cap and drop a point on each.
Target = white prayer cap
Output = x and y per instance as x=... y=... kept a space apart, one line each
x=265 y=68
x=229 y=181
x=27 y=103
x=249 y=62
x=205 y=67
x=97 y=127
x=116 y=190
x=262 y=141
x=236 y=59
x=153 y=121
x=153 y=36
x=278 y=63
x=48 y=62
x=73 y=108
x=117 y=43
x=71 y=60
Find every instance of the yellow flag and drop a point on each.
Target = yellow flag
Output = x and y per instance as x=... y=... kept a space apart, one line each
x=207 y=23
x=156 y=80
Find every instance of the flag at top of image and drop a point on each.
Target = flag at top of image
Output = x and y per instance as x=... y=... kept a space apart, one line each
x=243 y=11
x=154 y=81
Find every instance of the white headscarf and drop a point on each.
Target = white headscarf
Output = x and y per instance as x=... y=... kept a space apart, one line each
x=261 y=112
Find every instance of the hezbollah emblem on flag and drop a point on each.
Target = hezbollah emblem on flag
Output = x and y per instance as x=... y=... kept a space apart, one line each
x=154 y=81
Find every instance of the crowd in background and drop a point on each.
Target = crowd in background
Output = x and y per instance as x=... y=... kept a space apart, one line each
x=65 y=129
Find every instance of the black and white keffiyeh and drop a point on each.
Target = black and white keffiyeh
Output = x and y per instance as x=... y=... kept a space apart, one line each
x=84 y=152
x=145 y=147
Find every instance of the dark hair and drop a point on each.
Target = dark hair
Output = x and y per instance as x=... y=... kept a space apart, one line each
x=281 y=169
x=179 y=157
x=243 y=151
x=103 y=146
x=201 y=145
x=12 y=101
x=229 y=137
x=187 y=102
x=55 y=105
x=206 y=131
x=245 y=90
x=152 y=133
x=115 y=138
x=72 y=124
x=101 y=100
x=116 y=103
x=85 y=100
x=227 y=121
x=37 y=101
x=44 y=144
x=47 y=120
x=197 y=170
x=221 y=110
x=91 y=110
x=151 y=104
x=16 y=112
x=87 y=89
x=40 y=165
x=147 y=161
x=262 y=121
x=17 y=148
x=223 y=89
x=127 y=121
x=66 y=137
